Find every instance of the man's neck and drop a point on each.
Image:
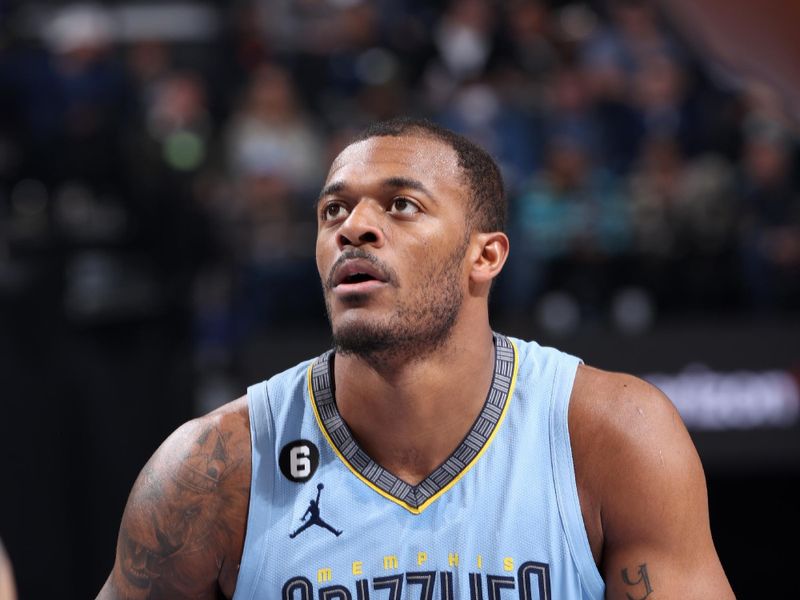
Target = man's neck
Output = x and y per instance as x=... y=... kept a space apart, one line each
x=410 y=416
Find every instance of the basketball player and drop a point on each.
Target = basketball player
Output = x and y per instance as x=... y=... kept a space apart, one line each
x=435 y=457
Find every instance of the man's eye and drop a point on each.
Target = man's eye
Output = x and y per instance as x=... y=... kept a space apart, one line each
x=333 y=211
x=404 y=206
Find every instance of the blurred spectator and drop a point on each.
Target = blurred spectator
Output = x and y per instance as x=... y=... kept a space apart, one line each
x=570 y=112
x=320 y=27
x=570 y=223
x=770 y=228
x=406 y=28
x=525 y=58
x=168 y=156
x=464 y=41
x=615 y=61
x=178 y=121
x=149 y=63
x=71 y=100
x=375 y=102
x=274 y=159
x=681 y=206
x=324 y=41
x=630 y=39
x=683 y=213
x=479 y=112
x=667 y=104
x=658 y=90
x=271 y=136
x=529 y=42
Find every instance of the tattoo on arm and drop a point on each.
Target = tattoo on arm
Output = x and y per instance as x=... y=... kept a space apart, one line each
x=642 y=583
x=183 y=522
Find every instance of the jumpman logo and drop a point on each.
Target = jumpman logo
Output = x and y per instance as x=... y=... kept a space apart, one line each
x=313 y=512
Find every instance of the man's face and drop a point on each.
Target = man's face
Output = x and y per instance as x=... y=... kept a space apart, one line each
x=391 y=243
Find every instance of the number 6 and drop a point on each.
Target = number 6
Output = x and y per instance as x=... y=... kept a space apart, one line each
x=299 y=463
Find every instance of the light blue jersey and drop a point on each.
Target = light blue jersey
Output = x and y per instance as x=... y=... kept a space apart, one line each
x=499 y=520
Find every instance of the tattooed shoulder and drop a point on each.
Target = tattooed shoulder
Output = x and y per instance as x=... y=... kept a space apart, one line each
x=183 y=528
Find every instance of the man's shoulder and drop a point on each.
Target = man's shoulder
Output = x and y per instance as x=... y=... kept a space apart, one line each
x=641 y=485
x=627 y=438
x=234 y=415
x=208 y=455
x=603 y=387
x=619 y=422
x=230 y=423
x=624 y=427
x=187 y=511
x=621 y=407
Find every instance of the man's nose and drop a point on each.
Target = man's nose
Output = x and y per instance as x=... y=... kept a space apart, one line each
x=362 y=226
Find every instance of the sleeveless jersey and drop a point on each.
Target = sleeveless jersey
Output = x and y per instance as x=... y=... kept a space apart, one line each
x=500 y=519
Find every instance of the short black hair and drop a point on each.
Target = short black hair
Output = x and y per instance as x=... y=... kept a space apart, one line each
x=488 y=199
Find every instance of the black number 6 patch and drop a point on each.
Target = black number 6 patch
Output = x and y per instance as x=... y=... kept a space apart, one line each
x=299 y=460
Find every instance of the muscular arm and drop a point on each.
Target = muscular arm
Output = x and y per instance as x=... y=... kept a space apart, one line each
x=642 y=491
x=183 y=528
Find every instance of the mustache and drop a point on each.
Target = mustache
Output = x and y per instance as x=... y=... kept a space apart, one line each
x=357 y=253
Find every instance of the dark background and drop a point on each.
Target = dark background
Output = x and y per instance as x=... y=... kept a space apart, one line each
x=157 y=176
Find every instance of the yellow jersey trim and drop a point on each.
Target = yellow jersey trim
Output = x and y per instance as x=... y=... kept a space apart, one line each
x=429 y=501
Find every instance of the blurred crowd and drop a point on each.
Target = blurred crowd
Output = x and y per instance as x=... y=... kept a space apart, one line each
x=157 y=166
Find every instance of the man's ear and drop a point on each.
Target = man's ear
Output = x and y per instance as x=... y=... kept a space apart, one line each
x=490 y=251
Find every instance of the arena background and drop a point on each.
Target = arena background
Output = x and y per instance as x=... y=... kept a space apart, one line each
x=159 y=161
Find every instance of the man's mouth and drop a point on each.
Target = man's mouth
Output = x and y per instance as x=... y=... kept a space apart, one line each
x=358 y=278
x=357 y=275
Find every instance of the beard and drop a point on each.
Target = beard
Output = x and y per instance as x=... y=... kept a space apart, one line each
x=418 y=326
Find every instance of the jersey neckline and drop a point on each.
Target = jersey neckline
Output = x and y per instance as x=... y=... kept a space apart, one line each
x=415 y=498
